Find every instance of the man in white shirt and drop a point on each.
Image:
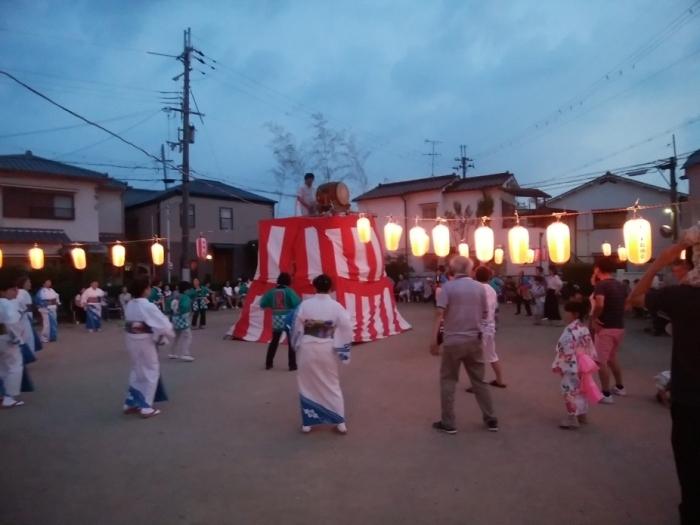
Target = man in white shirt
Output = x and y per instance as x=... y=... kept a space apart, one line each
x=306 y=197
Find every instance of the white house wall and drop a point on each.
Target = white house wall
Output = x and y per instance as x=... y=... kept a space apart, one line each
x=84 y=227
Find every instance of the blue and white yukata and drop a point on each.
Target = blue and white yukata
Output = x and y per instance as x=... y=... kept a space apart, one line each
x=11 y=363
x=48 y=301
x=321 y=335
x=30 y=340
x=146 y=328
x=91 y=300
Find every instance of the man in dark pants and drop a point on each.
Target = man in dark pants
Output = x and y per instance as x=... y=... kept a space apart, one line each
x=681 y=303
x=281 y=301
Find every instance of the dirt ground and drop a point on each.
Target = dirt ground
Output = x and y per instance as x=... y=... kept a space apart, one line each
x=227 y=448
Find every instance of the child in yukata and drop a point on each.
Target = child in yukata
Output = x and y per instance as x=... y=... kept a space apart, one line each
x=575 y=362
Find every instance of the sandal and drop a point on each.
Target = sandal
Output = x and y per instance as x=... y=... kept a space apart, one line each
x=497 y=384
x=154 y=412
x=14 y=404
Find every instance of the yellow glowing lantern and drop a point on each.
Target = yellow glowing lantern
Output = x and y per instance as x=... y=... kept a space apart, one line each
x=484 y=241
x=36 y=258
x=518 y=242
x=441 y=239
x=364 y=229
x=498 y=255
x=157 y=253
x=530 y=256
x=637 y=234
x=79 y=260
x=683 y=256
x=118 y=255
x=558 y=241
x=0 y=258
x=622 y=253
x=420 y=242
x=606 y=249
x=392 y=235
x=463 y=249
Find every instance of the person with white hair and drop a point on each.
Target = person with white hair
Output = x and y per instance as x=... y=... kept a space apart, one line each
x=463 y=308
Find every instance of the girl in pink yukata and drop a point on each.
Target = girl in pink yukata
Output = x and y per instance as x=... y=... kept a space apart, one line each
x=575 y=362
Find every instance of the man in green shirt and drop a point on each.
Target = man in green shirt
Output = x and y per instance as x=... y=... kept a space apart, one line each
x=281 y=300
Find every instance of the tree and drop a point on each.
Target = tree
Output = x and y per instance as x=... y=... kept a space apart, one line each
x=333 y=155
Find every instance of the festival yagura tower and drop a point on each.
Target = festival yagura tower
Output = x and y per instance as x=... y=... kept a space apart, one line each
x=306 y=247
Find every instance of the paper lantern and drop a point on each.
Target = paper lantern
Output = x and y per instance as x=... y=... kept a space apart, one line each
x=606 y=249
x=530 y=256
x=498 y=255
x=420 y=242
x=36 y=258
x=0 y=258
x=682 y=256
x=441 y=240
x=558 y=242
x=202 y=247
x=484 y=242
x=518 y=244
x=157 y=253
x=118 y=255
x=79 y=260
x=364 y=229
x=463 y=249
x=637 y=234
x=622 y=253
x=392 y=235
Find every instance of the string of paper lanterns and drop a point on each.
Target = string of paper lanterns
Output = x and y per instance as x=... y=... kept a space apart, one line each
x=637 y=234
x=79 y=256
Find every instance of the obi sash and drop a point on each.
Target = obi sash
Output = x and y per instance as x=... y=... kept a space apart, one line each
x=93 y=300
x=321 y=330
x=3 y=329
x=51 y=302
x=137 y=327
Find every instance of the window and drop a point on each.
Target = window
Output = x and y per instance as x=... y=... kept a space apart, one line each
x=608 y=220
x=429 y=211
x=190 y=216
x=22 y=203
x=226 y=218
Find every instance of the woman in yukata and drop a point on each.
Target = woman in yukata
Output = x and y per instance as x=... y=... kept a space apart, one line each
x=321 y=334
x=91 y=300
x=146 y=329
x=48 y=301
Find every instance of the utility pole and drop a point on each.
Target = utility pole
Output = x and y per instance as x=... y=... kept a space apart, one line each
x=674 y=190
x=432 y=154
x=163 y=161
x=185 y=216
x=464 y=162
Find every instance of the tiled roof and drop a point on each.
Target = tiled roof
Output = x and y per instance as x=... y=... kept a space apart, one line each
x=527 y=192
x=693 y=160
x=32 y=235
x=614 y=179
x=31 y=163
x=396 y=189
x=480 y=182
x=198 y=188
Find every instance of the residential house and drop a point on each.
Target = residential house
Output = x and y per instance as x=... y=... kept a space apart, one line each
x=54 y=205
x=692 y=175
x=451 y=196
x=613 y=192
x=225 y=215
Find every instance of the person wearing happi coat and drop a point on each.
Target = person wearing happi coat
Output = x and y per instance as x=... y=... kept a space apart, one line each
x=281 y=300
x=157 y=296
x=180 y=308
x=146 y=329
x=200 y=303
x=321 y=334
x=11 y=362
x=575 y=363
x=48 y=301
x=91 y=301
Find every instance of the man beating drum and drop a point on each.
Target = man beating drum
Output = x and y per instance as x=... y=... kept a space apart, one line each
x=306 y=197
